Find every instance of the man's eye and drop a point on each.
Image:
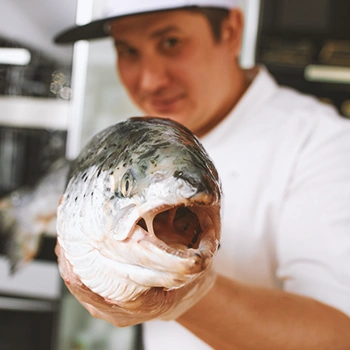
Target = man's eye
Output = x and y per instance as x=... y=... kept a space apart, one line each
x=170 y=43
x=126 y=52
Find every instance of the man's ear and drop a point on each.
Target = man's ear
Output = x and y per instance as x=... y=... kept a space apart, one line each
x=232 y=31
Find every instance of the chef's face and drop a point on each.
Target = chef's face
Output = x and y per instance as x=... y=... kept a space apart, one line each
x=173 y=68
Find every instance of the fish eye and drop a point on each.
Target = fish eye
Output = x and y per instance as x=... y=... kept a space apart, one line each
x=126 y=185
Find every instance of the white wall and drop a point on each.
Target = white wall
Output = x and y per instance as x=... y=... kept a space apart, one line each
x=36 y=22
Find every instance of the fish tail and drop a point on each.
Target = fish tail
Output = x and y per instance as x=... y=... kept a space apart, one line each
x=7 y=227
x=16 y=243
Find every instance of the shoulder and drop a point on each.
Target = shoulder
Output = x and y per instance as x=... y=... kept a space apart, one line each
x=306 y=116
x=292 y=104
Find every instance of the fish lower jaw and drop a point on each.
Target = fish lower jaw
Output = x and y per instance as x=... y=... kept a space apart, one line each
x=168 y=248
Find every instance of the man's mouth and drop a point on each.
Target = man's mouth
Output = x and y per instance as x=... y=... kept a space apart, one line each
x=168 y=104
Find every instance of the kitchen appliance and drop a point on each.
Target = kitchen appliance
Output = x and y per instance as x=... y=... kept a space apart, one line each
x=306 y=45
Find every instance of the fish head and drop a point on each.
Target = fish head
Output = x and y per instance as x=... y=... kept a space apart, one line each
x=143 y=205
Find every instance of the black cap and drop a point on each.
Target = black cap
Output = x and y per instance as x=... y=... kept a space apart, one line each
x=93 y=30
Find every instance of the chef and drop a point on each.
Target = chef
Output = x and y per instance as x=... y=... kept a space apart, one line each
x=282 y=274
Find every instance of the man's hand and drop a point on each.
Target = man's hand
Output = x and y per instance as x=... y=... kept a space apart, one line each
x=153 y=304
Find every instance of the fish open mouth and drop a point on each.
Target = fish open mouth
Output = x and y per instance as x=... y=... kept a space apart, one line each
x=183 y=230
x=177 y=226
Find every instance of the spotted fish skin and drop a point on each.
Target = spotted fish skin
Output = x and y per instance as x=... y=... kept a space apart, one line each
x=149 y=140
x=141 y=210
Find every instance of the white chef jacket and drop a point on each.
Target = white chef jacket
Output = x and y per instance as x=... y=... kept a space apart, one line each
x=284 y=162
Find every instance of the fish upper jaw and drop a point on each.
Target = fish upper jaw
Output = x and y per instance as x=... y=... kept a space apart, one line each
x=156 y=197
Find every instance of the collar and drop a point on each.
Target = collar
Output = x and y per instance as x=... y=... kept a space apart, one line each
x=262 y=87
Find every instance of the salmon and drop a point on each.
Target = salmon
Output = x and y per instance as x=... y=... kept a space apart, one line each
x=142 y=210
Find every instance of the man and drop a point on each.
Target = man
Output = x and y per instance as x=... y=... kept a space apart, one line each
x=283 y=269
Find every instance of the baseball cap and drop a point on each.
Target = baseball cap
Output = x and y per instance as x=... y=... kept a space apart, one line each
x=120 y=8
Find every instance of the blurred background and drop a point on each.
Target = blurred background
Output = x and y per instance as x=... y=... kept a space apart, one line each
x=54 y=98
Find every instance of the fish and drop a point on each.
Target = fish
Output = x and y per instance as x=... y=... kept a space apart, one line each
x=29 y=213
x=141 y=211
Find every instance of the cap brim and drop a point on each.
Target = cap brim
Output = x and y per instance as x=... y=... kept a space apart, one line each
x=99 y=28
x=93 y=30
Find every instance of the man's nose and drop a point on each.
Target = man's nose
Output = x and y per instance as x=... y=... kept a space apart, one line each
x=154 y=75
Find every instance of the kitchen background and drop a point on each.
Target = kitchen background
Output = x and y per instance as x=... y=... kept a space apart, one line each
x=54 y=98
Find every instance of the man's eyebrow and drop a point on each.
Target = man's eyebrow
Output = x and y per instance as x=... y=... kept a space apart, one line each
x=120 y=42
x=154 y=35
x=163 y=31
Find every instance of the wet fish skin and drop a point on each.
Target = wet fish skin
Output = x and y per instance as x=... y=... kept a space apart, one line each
x=29 y=213
x=109 y=225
